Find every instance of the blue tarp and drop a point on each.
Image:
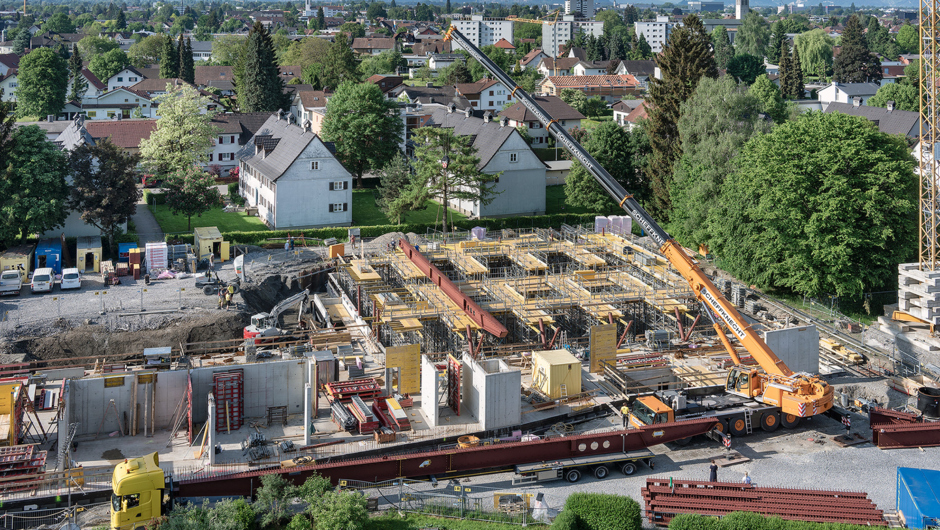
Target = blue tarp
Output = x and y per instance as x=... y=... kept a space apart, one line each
x=918 y=496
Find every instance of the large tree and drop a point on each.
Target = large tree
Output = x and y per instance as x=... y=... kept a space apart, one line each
x=78 y=85
x=59 y=23
x=33 y=192
x=613 y=147
x=365 y=125
x=190 y=191
x=461 y=179
x=93 y=45
x=855 y=62
x=824 y=204
x=261 y=88
x=716 y=122
x=686 y=58
x=815 y=52
x=394 y=181
x=146 y=52
x=169 y=60
x=778 y=34
x=43 y=84
x=745 y=68
x=753 y=35
x=721 y=44
x=104 y=185
x=904 y=96
x=107 y=64
x=21 y=42
x=908 y=40
x=187 y=64
x=184 y=132
x=769 y=98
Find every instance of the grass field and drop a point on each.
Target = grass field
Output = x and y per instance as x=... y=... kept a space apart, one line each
x=590 y=123
x=225 y=221
x=555 y=202
x=415 y=522
x=366 y=213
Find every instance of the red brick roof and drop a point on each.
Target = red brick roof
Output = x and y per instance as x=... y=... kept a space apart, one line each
x=363 y=43
x=126 y=134
x=637 y=114
x=583 y=81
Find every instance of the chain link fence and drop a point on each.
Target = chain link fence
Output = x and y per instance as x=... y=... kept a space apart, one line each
x=86 y=516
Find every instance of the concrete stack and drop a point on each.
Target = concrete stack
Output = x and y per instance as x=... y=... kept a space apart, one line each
x=919 y=292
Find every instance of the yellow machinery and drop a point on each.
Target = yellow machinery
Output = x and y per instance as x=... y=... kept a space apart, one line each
x=137 y=492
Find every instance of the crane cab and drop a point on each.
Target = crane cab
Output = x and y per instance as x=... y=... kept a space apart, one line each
x=743 y=381
x=137 y=492
x=649 y=410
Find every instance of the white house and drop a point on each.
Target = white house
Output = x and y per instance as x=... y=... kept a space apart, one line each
x=485 y=94
x=235 y=131
x=566 y=116
x=555 y=36
x=8 y=84
x=119 y=102
x=623 y=108
x=8 y=61
x=532 y=59
x=128 y=76
x=95 y=86
x=436 y=61
x=202 y=50
x=845 y=92
x=590 y=68
x=292 y=177
x=520 y=188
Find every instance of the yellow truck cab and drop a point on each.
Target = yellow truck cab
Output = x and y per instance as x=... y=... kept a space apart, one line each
x=649 y=410
x=137 y=492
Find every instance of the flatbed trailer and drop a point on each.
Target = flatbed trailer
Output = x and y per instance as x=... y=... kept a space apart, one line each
x=572 y=469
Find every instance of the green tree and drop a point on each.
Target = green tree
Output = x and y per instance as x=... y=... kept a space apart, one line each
x=21 y=42
x=769 y=99
x=43 y=83
x=462 y=179
x=753 y=35
x=394 y=179
x=33 y=191
x=340 y=510
x=92 y=45
x=300 y=522
x=630 y=15
x=498 y=56
x=778 y=34
x=304 y=52
x=188 y=516
x=231 y=514
x=313 y=488
x=169 y=60
x=262 y=89
x=353 y=30
x=745 y=68
x=191 y=192
x=908 y=39
x=59 y=23
x=365 y=125
x=721 y=44
x=108 y=64
x=146 y=52
x=855 y=63
x=575 y=98
x=227 y=50
x=184 y=132
x=787 y=72
x=104 y=186
x=273 y=499
x=822 y=204
x=716 y=122
x=457 y=73
x=815 y=52
x=376 y=10
x=611 y=145
x=912 y=73
x=686 y=58
x=641 y=50
x=321 y=19
x=796 y=89
x=121 y=21
x=78 y=85
x=340 y=65
x=905 y=97
x=599 y=511
x=187 y=64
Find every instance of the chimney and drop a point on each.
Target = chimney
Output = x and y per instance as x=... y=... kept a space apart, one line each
x=307 y=126
x=857 y=101
x=503 y=121
x=450 y=108
x=280 y=114
x=487 y=117
x=51 y=117
x=468 y=112
x=890 y=105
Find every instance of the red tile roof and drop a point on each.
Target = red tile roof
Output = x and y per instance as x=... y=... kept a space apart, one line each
x=582 y=81
x=126 y=134
x=637 y=114
x=504 y=44
x=363 y=43
x=93 y=79
x=475 y=88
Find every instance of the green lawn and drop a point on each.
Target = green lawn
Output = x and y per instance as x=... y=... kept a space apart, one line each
x=225 y=221
x=555 y=202
x=590 y=123
x=366 y=213
x=411 y=521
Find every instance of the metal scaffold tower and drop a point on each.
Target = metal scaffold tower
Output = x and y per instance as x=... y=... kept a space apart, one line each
x=929 y=128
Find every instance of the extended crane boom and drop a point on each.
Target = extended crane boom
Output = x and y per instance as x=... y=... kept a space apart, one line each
x=795 y=394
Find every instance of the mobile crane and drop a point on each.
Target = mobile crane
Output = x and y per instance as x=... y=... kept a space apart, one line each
x=781 y=395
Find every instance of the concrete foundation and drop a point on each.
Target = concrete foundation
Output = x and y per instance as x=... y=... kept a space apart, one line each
x=797 y=347
x=919 y=292
x=430 y=392
x=491 y=392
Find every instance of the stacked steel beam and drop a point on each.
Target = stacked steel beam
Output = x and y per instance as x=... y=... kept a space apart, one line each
x=891 y=429
x=342 y=418
x=665 y=498
x=363 y=414
x=366 y=388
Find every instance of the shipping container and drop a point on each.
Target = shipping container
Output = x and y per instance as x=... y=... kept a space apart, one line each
x=49 y=254
x=88 y=254
x=18 y=258
x=556 y=373
x=918 y=494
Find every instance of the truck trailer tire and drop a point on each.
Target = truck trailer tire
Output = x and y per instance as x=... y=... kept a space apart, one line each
x=628 y=468
x=573 y=475
x=601 y=472
x=789 y=421
x=769 y=421
x=737 y=426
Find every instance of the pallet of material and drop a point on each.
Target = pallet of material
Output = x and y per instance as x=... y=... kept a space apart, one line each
x=398 y=414
x=363 y=414
x=366 y=388
x=382 y=415
x=384 y=435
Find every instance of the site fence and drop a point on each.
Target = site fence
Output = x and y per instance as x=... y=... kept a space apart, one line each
x=52 y=518
x=460 y=501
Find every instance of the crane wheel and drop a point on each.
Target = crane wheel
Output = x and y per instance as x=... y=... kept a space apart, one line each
x=628 y=469
x=573 y=476
x=722 y=426
x=737 y=426
x=770 y=422
x=601 y=472
x=789 y=421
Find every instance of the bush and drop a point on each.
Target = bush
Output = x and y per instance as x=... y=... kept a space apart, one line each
x=299 y=522
x=750 y=521
x=599 y=511
x=742 y=521
x=567 y=520
x=343 y=510
x=232 y=515
x=691 y=521
x=233 y=194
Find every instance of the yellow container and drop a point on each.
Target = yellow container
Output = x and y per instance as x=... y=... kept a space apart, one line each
x=553 y=368
x=19 y=257
x=88 y=254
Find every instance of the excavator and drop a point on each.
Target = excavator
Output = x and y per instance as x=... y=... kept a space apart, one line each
x=787 y=396
x=264 y=325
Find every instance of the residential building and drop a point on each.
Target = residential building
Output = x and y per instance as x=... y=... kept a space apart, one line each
x=429 y=47
x=730 y=24
x=128 y=76
x=126 y=134
x=582 y=7
x=845 y=92
x=157 y=86
x=608 y=87
x=8 y=61
x=520 y=188
x=532 y=59
x=305 y=103
x=431 y=95
x=484 y=31
x=95 y=86
x=485 y=94
x=119 y=103
x=235 y=131
x=590 y=68
x=629 y=117
x=563 y=113
x=437 y=61
x=557 y=66
x=641 y=70
x=555 y=36
x=506 y=46
x=372 y=46
x=293 y=177
x=391 y=85
x=698 y=6
x=8 y=84
x=655 y=32
x=311 y=10
x=202 y=50
x=890 y=120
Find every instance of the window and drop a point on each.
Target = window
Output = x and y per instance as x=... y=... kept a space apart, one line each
x=120 y=80
x=315 y=165
x=210 y=157
x=92 y=113
x=110 y=113
x=232 y=138
x=339 y=207
x=339 y=185
x=513 y=157
x=132 y=79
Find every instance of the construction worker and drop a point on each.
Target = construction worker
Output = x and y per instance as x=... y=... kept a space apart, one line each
x=747 y=479
x=221 y=298
x=625 y=413
x=228 y=299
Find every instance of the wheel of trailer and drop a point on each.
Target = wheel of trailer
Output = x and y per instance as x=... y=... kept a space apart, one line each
x=737 y=426
x=770 y=421
x=684 y=441
x=789 y=421
x=628 y=469
x=208 y=290
x=573 y=475
x=601 y=472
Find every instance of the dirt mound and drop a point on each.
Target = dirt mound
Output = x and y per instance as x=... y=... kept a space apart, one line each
x=272 y=289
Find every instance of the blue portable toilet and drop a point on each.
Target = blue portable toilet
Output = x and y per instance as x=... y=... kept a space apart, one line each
x=49 y=254
x=918 y=493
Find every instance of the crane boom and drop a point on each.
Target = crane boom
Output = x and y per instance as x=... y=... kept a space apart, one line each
x=705 y=291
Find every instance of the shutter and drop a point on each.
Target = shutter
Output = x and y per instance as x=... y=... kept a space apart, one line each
x=210 y=157
x=331 y=185
x=221 y=140
x=345 y=184
x=331 y=207
x=345 y=206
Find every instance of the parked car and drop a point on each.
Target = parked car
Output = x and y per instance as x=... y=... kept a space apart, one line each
x=71 y=279
x=10 y=282
x=43 y=281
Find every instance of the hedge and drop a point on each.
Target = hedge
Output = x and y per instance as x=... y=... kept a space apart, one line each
x=600 y=511
x=751 y=521
x=152 y=198
x=567 y=520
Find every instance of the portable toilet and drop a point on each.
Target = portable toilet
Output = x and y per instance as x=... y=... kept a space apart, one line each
x=49 y=254
x=208 y=240
x=556 y=373
x=19 y=257
x=88 y=254
x=124 y=251
x=918 y=498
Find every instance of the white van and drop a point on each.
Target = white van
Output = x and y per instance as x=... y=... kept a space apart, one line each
x=10 y=282
x=43 y=281
x=71 y=279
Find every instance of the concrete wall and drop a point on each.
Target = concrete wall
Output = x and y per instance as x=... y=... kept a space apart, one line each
x=491 y=392
x=304 y=196
x=798 y=347
x=429 y=391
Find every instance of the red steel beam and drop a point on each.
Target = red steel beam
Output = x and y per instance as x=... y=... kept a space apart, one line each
x=878 y=416
x=901 y=435
x=625 y=330
x=476 y=313
x=679 y=322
